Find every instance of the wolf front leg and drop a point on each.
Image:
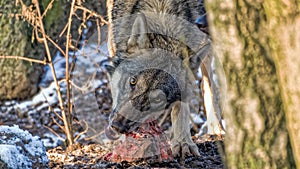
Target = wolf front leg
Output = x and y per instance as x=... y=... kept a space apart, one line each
x=211 y=103
x=181 y=140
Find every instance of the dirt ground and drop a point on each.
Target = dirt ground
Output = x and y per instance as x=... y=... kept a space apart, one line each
x=88 y=154
x=38 y=120
x=91 y=156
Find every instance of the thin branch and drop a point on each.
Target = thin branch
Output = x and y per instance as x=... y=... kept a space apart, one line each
x=60 y=126
x=53 y=43
x=57 y=115
x=85 y=86
x=40 y=39
x=94 y=136
x=49 y=6
x=92 y=12
x=63 y=31
x=69 y=118
x=51 y=109
x=83 y=132
x=82 y=89
x=99 y=32
x=61 y=103
x=44 y=62
x=54 y=132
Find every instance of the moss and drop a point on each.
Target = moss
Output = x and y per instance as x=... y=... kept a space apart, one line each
x=54 y=14
x=255 y=104
x=17 y=77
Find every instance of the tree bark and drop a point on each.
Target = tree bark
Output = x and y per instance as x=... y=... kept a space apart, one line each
x=245 y=40
x=18 y=78
x=288 y=67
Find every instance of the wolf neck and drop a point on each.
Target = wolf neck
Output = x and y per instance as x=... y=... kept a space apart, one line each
x=158 y=6
x=172 y=7
x=169 y=28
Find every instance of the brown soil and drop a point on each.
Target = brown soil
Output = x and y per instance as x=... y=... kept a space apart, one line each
x=91 y=156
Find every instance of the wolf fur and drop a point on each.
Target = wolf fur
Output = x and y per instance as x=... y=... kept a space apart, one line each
x=157 y=51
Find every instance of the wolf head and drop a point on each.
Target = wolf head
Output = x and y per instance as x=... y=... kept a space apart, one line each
x=143 y=87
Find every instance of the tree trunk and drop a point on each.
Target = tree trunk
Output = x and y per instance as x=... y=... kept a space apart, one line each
x=244 y=36
x=287 y=62
x=18 y=79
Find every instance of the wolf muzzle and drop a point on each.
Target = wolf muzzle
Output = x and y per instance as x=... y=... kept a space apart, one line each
x=118 y=125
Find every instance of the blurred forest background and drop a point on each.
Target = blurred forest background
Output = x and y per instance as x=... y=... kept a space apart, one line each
x=258 y=43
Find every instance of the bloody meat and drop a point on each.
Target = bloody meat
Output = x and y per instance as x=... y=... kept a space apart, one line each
x=148 y=142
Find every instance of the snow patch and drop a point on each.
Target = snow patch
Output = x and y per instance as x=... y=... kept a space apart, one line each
x=19 y=149
x=51 y=140
x=197 y=119
x=13 y=157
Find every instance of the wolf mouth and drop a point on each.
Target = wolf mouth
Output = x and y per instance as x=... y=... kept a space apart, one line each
x=120 y=125
x=150 y=126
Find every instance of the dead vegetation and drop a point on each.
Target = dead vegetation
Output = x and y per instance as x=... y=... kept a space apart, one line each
x=33 y=15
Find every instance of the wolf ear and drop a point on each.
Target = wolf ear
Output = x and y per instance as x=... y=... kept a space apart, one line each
x=138 y=38
x=110 y=69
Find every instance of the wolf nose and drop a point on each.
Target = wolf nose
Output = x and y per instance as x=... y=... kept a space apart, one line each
x=111 y=133
x=119 y=127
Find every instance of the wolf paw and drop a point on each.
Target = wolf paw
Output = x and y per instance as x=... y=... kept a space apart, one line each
x=184 y=149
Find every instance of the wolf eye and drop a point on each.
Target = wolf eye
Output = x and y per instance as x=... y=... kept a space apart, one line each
x=159 y=98
x=132 y=81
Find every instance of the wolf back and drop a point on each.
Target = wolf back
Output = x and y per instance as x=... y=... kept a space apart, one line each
x=169 y=24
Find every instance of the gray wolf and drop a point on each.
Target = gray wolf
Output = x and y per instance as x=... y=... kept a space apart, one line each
x=156 y=52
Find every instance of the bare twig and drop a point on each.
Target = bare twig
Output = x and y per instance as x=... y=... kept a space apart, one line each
x=91 y=12
x=57 y=47
x=99 y=32
x=57 y=115
x=51 y=109
x=60 y=126
x=44 y=62
x=32 y=14
x=83 y=88
x=49 y=6
x=69 y=118
x=83 y=132
x=61 y=103
x=63 y=31
x=94 y=136
x=54 y=132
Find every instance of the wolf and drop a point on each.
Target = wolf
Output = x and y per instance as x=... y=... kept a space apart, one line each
x=156 y=51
